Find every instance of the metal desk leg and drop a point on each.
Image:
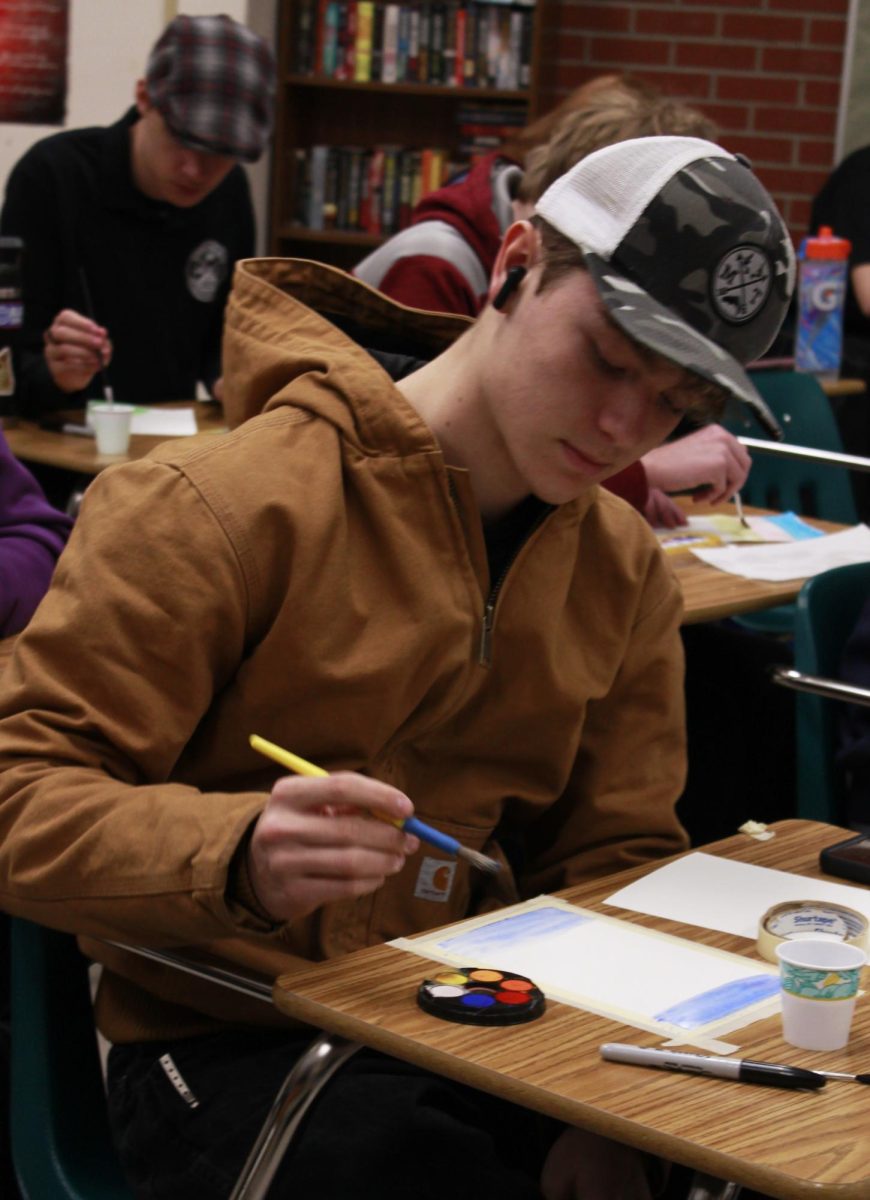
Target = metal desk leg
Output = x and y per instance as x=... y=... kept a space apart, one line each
x=298 y=1091
x=708 y=1187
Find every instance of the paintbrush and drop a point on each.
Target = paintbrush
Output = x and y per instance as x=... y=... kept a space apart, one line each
x=865 y=1078
x=89 y=312
x=410 y=824
x=738 y=504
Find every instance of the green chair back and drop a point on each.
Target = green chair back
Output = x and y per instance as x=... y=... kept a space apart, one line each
x=791 y=485
x=825 y=613
x=61 y=1144
x=809 y=488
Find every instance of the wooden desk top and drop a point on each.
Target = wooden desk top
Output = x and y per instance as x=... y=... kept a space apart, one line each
x=793 y=1145
x=710 y=594
x=843 y=387
x=75 y=453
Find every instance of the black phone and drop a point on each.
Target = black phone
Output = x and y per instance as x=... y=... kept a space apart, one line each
x=849 y=859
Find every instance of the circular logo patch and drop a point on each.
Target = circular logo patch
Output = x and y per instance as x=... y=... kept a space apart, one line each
x=741 y=284
x=206 y=270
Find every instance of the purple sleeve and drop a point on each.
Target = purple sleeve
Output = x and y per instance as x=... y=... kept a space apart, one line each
x=32 y=535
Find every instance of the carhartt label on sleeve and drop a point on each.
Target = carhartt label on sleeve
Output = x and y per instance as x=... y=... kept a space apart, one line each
x=434 y=879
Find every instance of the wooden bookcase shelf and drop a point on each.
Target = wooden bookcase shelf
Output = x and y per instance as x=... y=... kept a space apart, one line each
x=315 y=109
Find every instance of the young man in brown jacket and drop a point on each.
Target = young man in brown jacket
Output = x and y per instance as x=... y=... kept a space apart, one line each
x=400 y=566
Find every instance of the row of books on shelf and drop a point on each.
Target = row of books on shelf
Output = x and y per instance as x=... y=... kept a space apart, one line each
x=457 y=43
x=366 y=190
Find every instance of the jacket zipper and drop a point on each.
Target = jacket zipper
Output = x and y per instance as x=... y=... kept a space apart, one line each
x=485 y=653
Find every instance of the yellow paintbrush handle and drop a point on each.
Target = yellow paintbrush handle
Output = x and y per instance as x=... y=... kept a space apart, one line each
x=291 y=761
x=300 y=766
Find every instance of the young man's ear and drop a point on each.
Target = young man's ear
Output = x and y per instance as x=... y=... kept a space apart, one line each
x=517 y=253
x=141 y=97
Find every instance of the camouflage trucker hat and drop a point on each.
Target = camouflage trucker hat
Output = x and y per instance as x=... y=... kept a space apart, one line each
x=687 y=250
x=213 y=82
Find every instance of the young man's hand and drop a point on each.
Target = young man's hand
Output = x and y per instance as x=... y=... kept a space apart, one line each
x=75 y=349
x=317 y=841
x=662 y=512
x=710 y=459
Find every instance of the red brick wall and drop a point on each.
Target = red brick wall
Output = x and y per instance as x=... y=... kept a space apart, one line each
x=767 y=71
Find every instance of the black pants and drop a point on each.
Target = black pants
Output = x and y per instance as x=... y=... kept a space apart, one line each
x=379 y=1128
x=740 y=729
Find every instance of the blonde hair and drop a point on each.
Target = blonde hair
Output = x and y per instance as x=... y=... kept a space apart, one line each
x=611 y=108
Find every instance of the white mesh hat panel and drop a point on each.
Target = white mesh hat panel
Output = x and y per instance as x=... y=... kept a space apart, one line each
x=599 y=200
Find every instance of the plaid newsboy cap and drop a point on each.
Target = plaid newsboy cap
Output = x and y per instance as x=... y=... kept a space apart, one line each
x=213 y=82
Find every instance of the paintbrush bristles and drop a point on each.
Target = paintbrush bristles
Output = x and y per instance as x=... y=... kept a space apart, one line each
x=865 y=1078
x=476 y=859
x=738 y=503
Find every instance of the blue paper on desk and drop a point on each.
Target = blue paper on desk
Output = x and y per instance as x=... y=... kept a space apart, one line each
x=796 y=527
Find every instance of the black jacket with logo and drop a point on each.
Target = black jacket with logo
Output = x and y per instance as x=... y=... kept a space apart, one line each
x=158 y=275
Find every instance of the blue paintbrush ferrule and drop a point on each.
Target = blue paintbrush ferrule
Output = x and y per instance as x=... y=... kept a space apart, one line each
x=427 y=834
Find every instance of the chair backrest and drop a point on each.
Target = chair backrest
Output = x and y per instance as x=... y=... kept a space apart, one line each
x=61 y=1144
x=825 y=613
x=810 y=488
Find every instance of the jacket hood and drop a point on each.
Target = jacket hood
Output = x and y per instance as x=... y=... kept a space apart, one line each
x=289 y=320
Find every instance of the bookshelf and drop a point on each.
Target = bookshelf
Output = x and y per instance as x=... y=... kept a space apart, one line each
x=379 y=101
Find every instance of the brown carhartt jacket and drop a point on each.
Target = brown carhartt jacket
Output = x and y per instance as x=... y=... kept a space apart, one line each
x=319 y=576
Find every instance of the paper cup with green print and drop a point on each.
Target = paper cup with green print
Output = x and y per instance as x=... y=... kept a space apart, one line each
x=819 y=979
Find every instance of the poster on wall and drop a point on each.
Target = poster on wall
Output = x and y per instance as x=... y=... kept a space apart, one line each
x=33 y=56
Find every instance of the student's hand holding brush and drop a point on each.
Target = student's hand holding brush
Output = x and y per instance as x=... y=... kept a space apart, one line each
x=315 y=842
x=76 y=349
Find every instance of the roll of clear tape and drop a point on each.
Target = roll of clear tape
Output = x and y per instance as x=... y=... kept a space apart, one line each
x=810 y=918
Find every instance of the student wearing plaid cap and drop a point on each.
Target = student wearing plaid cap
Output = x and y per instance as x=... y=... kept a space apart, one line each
x=131 y=231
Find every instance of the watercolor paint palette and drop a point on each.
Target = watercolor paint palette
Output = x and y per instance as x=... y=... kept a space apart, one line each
x=481 y=996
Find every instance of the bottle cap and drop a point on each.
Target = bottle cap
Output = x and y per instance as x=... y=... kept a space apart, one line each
x=826 y=244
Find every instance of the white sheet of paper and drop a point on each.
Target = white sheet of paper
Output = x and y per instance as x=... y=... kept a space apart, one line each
x=164 y=422
x=680 y=989
x=719 y=893
x=796 y=560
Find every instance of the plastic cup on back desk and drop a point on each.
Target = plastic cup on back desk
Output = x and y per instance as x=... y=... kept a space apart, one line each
x=111 y=423
x=820 y=979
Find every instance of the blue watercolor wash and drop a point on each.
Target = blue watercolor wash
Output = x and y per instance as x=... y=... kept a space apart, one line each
x=792 y=524
x=511 y=931
x=720 y=1001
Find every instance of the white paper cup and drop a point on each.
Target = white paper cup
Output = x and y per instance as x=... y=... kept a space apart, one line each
x=819 y=980
x=111 y=424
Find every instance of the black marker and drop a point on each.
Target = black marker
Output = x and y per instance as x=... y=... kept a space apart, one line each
x=744 y=1070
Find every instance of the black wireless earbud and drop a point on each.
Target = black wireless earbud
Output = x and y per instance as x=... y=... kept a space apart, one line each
x=513 y=279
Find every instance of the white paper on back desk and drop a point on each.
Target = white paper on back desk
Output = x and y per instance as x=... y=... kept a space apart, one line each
x=719 y=893
x=794 y=560
x=164 y=422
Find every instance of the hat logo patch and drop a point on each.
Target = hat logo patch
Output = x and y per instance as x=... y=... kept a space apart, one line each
x=741 y=284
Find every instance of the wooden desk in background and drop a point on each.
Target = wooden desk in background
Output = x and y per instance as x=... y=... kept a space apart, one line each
x=843 y=387
x=73 y=452
x=710 y=594
x=793 y=1145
